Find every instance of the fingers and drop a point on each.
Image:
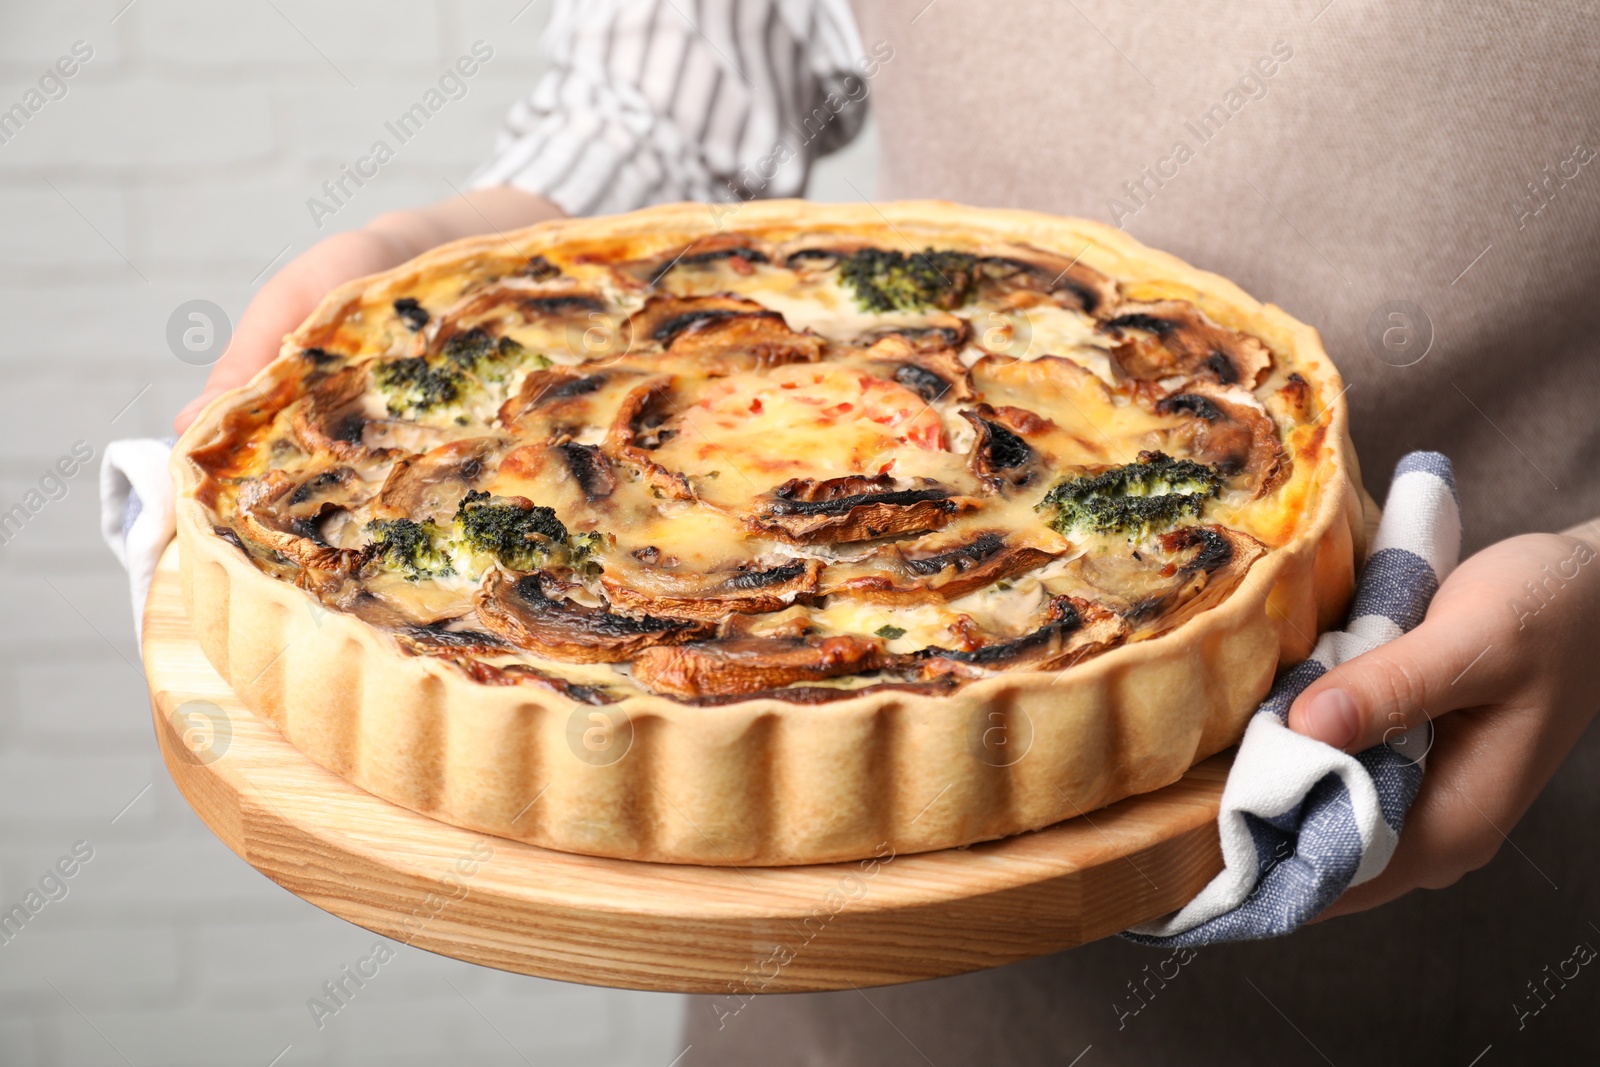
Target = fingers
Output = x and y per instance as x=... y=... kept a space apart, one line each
x=1443 y=839
x=284 y=303
x=495 y=209
x=192 y=409
x=215 y=387
x=1402 y=684
x=1487 y=766
x=1517 y=676
x=253 y=347
x=1514 y=618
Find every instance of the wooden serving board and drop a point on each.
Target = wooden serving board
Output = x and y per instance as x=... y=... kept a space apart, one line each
x=720 y=930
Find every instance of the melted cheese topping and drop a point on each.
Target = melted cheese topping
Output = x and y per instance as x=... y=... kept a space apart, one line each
x=802 y=420
x=709 y=480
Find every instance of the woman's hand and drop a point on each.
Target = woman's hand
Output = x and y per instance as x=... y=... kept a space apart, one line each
x=1505 y=665
x=387 y=241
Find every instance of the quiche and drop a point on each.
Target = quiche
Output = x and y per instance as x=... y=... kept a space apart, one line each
x=772 y=535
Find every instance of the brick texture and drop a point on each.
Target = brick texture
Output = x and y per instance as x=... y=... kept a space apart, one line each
x=176 y=167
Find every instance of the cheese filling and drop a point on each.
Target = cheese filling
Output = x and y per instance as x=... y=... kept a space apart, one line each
x=700 y=457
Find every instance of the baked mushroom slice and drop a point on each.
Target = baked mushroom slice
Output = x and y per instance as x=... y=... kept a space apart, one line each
x=506 y=264
x=750 y=664
x=1022 y=267
x=515 y=302
x=722 y=333
x=942 y=685
x=590 y=468
x=748 y=590
x=634 y=432
x=380 y=612
x=557 y=394
x=816 y=253
x=523 y=612
x=560 y=306
x=525 y=674
x=523 y=317
x=462 y=647
x=740 y=252
x=286 y=516
x=1230 y=431
x=221 y=458
x=938 y=330
x=904 y=574
x=1000 y=455
x=431 y=485
x=1173 y=338
x=1195 y=568
x=854 y=508
x=665 y=316
x=1073 y=630
x=923 y=362
x=385 y=600
x=754 y=340
x=331 y=419
x=441 y=640
x=930 y=384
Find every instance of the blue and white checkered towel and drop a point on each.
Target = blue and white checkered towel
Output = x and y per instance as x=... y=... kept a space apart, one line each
x=1301 y=821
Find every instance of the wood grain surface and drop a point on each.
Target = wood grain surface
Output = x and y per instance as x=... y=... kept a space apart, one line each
x=718 y=930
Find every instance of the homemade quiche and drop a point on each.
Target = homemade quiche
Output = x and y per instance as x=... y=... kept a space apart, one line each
x=772 y=534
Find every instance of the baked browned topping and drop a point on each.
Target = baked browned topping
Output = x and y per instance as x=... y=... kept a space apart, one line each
x=799 y=467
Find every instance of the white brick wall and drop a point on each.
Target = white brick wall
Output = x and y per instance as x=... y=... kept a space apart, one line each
x=176 y=167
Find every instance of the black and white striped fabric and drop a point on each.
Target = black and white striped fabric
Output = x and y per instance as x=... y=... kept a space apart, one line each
x=655 y=101
x=1301 y=821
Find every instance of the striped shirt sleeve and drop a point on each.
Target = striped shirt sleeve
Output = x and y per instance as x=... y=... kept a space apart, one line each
x=652 y=101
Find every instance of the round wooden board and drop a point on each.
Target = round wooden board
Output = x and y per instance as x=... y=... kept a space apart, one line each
x=718 y=930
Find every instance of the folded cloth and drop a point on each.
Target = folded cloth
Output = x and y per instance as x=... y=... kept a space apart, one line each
x=136 y=517
x=1301 y=821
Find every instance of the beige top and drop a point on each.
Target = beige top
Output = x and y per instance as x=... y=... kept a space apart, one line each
x=1425 y=153
x=1419 y=182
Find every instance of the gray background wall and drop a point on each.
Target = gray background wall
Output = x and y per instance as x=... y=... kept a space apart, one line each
x=177 y=167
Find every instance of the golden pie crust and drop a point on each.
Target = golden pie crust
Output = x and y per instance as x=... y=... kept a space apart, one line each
x=764 y=780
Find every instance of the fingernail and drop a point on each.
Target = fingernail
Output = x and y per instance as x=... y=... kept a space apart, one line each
x=1333 y=718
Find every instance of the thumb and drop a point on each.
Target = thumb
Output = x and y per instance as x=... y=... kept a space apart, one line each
x=246 y=355
x=192 y=409
x=1413 y=679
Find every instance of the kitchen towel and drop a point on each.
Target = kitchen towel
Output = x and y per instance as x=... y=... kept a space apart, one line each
x=1301 y=821
x=136 y=516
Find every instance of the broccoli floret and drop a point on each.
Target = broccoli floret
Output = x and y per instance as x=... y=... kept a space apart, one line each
x=414 y=386
x=510 y=530
x=476 y=352
x=417 y=385
x=411 y=548
x=887 y=280
x=581 y=548
x=509 y=350
x=584 y=545
x=1151 y=494
x=467 y=350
